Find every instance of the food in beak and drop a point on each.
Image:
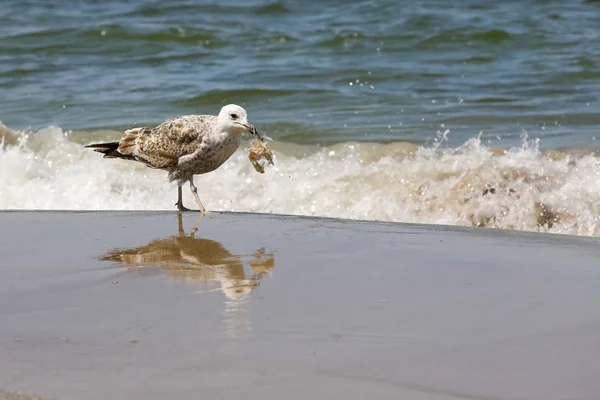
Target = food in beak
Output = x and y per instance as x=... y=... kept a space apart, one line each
x=258 y=150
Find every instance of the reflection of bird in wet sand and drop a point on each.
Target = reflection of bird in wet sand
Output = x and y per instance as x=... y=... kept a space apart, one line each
x=188 y=259
x=192 y=259
x=184 y=146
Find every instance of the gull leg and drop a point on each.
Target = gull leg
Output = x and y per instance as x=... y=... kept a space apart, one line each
x=179 y=203
x=194 y=190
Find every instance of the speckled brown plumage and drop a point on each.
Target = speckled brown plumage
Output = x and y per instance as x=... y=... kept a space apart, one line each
x=184 y=146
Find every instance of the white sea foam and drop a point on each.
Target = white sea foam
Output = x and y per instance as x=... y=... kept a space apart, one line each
x=522 y=188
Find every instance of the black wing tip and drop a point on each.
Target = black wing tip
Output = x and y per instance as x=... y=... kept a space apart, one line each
x=109 y=145
x=110 y=150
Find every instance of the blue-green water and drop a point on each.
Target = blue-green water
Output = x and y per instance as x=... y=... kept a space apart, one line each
x=369 y=78
x=309 y=71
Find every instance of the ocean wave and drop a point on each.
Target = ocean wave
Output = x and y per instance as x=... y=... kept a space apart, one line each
x=275 y=8
x=240 y=95
x=522 y=188
x=464 y=36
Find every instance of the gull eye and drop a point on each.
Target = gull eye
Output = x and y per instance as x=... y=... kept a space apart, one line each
x=233 y=116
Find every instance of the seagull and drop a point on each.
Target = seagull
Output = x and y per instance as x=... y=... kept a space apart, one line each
x=183 y=146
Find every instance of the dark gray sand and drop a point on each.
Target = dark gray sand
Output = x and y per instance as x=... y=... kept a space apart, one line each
x=120 y=305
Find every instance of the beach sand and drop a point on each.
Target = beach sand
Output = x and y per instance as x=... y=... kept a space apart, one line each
x=133 y=305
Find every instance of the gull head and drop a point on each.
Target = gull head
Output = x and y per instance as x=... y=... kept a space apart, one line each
x=234 y=119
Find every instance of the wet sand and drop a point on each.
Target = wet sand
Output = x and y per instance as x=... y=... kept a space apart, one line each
x=135 y=305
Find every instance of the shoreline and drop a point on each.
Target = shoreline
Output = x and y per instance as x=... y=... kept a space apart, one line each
x=428 y=226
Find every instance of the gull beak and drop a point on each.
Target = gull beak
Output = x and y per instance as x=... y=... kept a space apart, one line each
x=250 y=128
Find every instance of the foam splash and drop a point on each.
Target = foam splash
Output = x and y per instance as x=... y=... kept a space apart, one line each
x=522 y=188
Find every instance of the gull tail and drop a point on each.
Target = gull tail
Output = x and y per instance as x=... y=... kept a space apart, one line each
x=128 y=142
x=110 y=150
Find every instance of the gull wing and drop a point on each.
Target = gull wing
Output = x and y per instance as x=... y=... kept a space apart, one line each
x=163 y=145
